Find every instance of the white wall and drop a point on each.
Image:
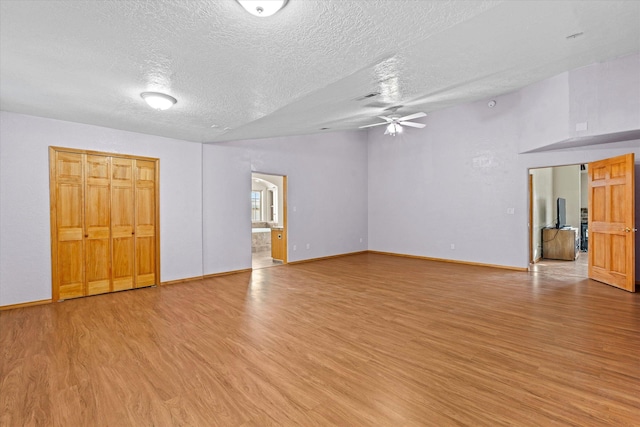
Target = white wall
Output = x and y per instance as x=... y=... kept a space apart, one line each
x=226 y=209
x=25 y=248
x=542 y=112
x=326 y=195
x=584 y=188
x=603 y=96
x=566 y=184
x=543 y=203
x=453 y=181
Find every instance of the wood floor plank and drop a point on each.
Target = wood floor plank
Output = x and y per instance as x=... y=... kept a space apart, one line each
x=362 y=340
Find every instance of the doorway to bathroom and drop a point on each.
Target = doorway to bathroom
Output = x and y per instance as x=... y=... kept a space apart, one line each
x=268 y=220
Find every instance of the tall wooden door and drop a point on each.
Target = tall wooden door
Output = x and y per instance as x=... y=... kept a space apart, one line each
x=104 y=219
x=285 y=228
x=67 y=224
x=122 y=223
x=611 y=222
x=97 y=224
x=145 y=223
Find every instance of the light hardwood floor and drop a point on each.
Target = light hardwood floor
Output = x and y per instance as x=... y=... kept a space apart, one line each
x=577 y=268
x=263 y=260
x=363 y=340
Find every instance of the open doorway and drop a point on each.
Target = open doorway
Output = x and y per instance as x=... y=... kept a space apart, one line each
x=558 y=217
x=268 y=220
x=609 y=234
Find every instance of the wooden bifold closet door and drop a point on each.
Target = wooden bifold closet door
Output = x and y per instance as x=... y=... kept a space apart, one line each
x=104 y=222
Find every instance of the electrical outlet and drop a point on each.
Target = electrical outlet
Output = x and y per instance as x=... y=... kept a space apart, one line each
x=361 y=240
x=511 y=211
x=295 y=247
x=453 y=246
x=308 y=245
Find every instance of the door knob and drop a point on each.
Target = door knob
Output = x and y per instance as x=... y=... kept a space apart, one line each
x=629 y=230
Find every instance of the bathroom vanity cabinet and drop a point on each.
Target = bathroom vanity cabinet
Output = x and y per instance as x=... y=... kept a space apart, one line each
x=277 y=244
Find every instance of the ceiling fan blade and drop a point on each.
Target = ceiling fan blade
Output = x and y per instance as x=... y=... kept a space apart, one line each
x=375 y=124
x=413 y=125
x=388 y=119
x=412 y=116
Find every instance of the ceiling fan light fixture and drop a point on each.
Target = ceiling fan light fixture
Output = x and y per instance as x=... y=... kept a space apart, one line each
x=393 y=129
x=158 y=101
x=393 y=124
x=262 y=8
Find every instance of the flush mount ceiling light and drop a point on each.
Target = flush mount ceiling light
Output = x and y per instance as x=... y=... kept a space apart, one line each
x=158 y=101
x=262 y=8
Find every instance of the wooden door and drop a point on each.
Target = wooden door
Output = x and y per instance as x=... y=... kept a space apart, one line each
x=104 y=220
x=67 y=224
x=145 y=223
x=97 y=224
x=531 y=254
x=122 y=223
x=285 y=232
x=611 y=222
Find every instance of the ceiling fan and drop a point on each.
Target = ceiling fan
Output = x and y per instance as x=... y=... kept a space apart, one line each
x=394 y=123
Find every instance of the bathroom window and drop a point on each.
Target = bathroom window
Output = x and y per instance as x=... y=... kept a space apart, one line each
x=256 y=206
x=271 y=197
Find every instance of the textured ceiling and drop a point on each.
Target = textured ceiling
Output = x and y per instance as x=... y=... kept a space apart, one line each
x=237 y=76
